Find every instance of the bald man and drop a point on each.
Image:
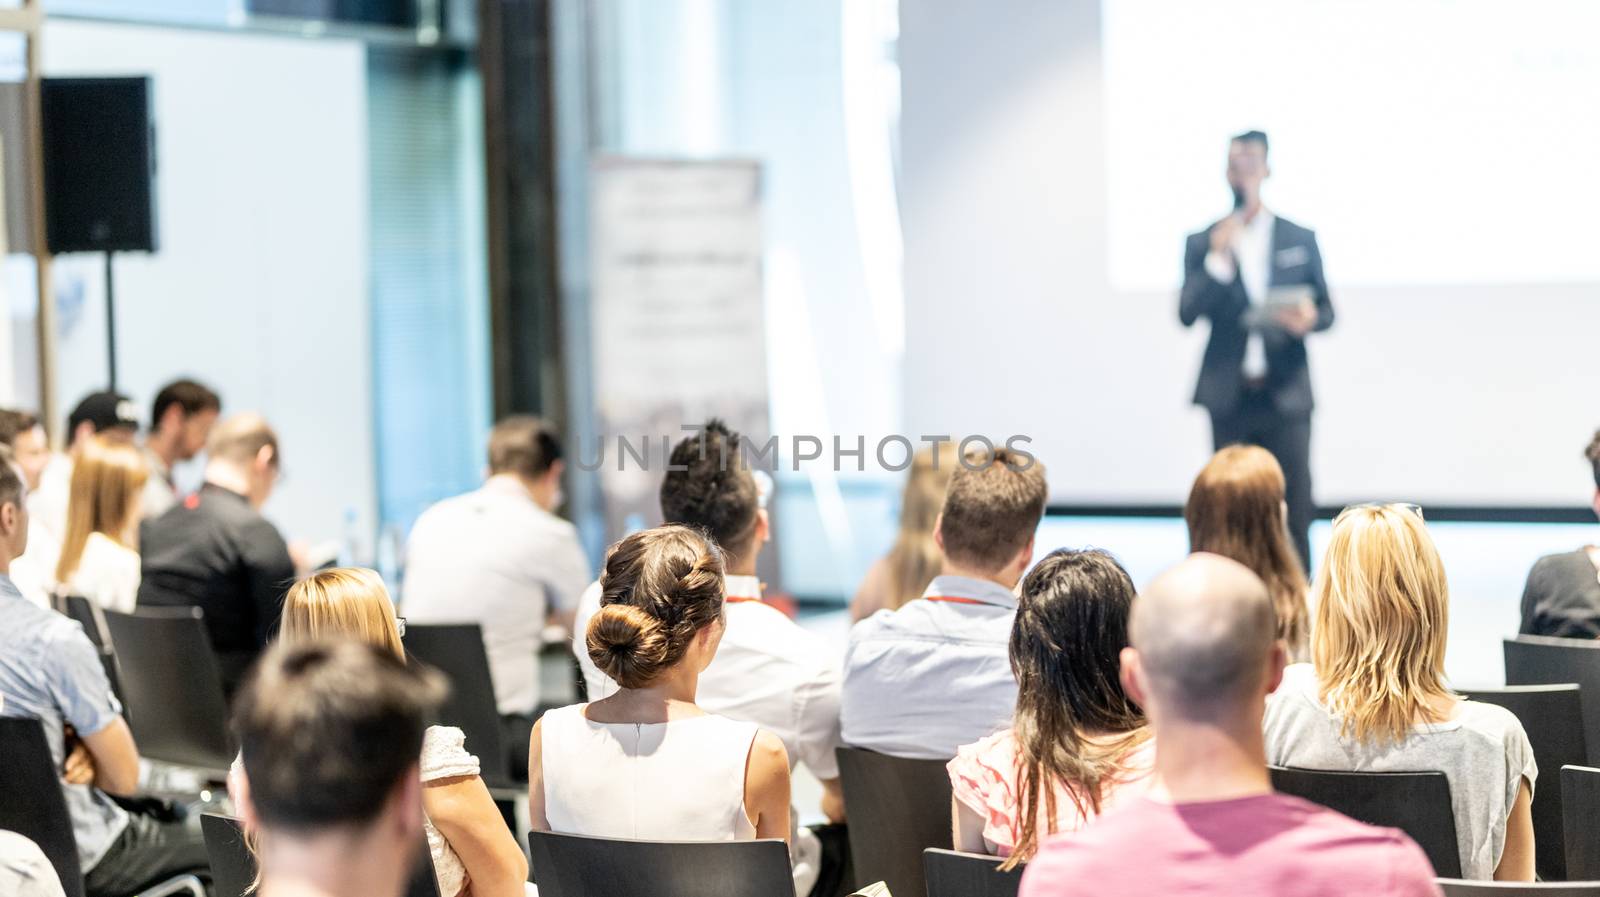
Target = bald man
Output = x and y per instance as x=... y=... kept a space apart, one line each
x=1203 y=660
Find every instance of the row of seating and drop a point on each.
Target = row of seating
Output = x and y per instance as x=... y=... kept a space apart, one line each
x=161 y=662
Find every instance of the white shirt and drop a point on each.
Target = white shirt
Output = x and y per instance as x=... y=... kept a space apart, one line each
x=34 y=573
x=48 y=503
x=1252 y=247
x=675 y=781
x=107 y=574
x=768 y=671
x=159 y=492
x=495 y=558
x=934 y=675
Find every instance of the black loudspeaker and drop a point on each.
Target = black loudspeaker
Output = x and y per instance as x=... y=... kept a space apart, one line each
x=99 y=164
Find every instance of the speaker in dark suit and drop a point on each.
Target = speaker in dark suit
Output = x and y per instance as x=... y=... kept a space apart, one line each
x=1258 y=279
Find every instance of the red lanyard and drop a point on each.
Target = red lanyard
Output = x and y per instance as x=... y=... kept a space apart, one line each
x=952 y=599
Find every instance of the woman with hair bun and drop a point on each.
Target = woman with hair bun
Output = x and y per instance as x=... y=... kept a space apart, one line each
x=646 y=763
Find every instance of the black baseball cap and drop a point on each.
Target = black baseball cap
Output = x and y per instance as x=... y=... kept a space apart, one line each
x=106 y=411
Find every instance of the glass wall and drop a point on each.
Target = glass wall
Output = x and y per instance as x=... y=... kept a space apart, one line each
x=810 y=89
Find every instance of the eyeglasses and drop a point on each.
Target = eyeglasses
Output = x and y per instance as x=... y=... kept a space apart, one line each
x=1385 y=506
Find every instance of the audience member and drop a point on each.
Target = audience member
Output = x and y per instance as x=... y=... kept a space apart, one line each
x=660 y=619
x=24 y=869
x=767 y=669
x=1236 y=509
x=914 y=560
x=1204 y=656
x=23 y=433
x=473 y=851
x=329 y=735
x=501 y=558
x=49 y=671
x=1562 y=597
x=180 y=423
x=1077 y=746
x=22 y=442
x=215 y=551
x=933 y=675
x=107 y=414
x=1374 y=698
x=99 y=559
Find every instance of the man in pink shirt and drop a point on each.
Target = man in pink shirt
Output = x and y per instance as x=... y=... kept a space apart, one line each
x=1203 y=660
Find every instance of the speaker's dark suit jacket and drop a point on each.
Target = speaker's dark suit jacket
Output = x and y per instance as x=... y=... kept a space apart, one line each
x=1295 y=260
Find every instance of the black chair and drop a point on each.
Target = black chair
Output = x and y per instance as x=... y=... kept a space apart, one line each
x=457 y=651
x=173 y=687
x=1417 y=803
x=897 y=809
x=92 y=619
x=1542 y=660
x=32 y=805
x=1580 y=814
x=233 y=866
x=954 y=874
x=1455 y=887
x=1552 y=717
x=575 y=866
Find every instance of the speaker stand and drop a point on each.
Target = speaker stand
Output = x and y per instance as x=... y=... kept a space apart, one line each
x=111 y=328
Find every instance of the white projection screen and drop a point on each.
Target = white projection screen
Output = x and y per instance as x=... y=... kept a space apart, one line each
x=1447 y=152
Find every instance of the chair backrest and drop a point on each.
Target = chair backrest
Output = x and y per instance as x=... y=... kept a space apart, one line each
x=1552 y=717
x=1455 y=887
x=31 y=803
x=1580 y=810
x=457 y=651
x=1417 y=803
x=897 y=809
x=92 y=619
x=575 y=866
x=233 y=866
x=173 y=687
x=954 y=874
x=1542 y=660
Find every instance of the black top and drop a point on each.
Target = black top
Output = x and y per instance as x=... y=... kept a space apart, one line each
x=215 y=552
x=1295 y=261
x=1562 y=597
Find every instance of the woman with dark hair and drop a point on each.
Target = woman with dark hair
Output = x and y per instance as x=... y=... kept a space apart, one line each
x=1077 y=745
x=1236 y=509
x=647 y=763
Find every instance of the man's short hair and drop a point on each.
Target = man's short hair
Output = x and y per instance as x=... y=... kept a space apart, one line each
x=10 y=478
x=1253 y=137
x=707 y=486
x=1593 y=454
x=328 y=730
x=241 y=437
x=14 y=423
x=524 y=445
x=193 y=398
x=992 y=507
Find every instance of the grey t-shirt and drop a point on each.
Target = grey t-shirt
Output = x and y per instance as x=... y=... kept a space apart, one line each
x=1483 y=752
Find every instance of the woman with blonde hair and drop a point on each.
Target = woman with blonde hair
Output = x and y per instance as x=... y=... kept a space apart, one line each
x=913 y=561
x=474 y=854
x=99 y=553
x=1236 y=509
x=1374 y=697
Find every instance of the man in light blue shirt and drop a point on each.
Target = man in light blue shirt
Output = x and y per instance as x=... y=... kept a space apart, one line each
x=49 y=671
x=923 y=680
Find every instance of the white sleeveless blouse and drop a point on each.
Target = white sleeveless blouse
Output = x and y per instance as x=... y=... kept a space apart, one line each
x=674 y=781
